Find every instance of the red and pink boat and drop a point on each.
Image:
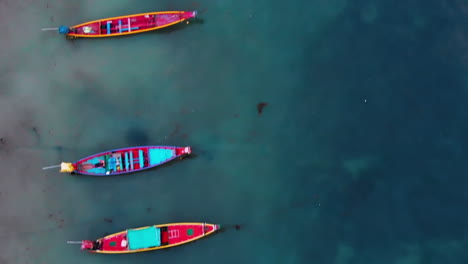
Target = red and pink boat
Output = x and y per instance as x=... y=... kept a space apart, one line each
x=125 y=25
x=148 y=238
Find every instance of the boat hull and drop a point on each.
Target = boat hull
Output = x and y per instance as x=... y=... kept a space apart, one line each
x=130 y=24
x=128 y=160
x=169 y=235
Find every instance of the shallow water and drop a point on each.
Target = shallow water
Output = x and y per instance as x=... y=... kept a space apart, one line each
x=357 y=157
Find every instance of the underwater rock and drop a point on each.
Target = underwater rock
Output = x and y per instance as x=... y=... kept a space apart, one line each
x=137 y=137
x=260 y=107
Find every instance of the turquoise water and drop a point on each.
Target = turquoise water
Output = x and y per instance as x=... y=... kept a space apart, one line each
x=358 y=156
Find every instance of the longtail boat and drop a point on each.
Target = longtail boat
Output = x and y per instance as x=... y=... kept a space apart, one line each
x=148 y=238
x=125 y=160
x=125 y=25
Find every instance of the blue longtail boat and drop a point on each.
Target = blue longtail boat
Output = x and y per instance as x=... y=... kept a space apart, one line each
x=125 y=160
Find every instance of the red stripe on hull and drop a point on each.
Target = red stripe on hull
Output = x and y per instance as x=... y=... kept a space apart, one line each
x=136 y=157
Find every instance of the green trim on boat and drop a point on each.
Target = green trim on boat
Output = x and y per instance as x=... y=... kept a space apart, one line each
x=190 y=232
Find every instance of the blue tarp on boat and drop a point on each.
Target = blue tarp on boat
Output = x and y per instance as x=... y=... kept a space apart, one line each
x=159 y=155
x=144 y=238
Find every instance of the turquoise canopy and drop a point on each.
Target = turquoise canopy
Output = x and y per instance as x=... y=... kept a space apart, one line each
x=143 y=238
x=159 y=155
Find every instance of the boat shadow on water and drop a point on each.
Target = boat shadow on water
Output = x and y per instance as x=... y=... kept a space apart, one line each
x=226 y=228
x=136 y=136
x=175 y=161
x=178 y=27
x=154 y=169
x=165 y=30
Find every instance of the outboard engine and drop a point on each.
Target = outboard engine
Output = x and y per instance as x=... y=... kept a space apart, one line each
x=63 y=30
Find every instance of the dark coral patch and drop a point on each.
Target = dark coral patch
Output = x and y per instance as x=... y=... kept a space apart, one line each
x=260 y=107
